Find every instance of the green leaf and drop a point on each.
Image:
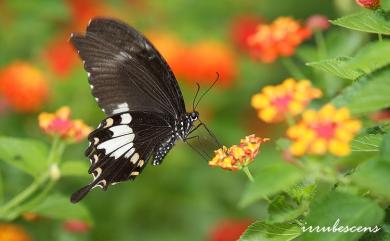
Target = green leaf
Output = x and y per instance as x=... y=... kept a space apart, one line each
x=59 y=207
x=366 y=21
x=283 y=209
x=261 y=231
x=74 y=168
x=371 y=57
x=337 y=67
x=385 y=148
x=379 y=129
x=374 y=175
x=350 y=210
x=270 y=180
x=366 y=143
x=342 y=42
x=366 y=94
x=27 y=155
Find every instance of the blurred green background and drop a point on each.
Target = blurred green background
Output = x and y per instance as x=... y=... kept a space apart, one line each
x=183 y=199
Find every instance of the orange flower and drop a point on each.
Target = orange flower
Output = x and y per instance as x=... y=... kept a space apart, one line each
x=276 y=103
x=171 y=47
x=198 y=62
x=326 y=130
x=242 y=28
x=11 y=232
x=31 y=217
x=206 y=58
x=238 y=156
x=23 y=86
x=60 y=56
x=60 y=124
x=82 y=11
x=279 y=38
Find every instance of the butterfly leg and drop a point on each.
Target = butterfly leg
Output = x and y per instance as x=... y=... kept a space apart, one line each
x=211 y=133
x=202 y=153
x=208 y=130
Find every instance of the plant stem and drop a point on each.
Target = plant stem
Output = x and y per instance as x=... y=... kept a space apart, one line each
x=248 y=174
x=57 y=148
x=292 y=68
x=321 y=46
x=380 y=37
x=38 y=198
x=1 y=187
x=24 y=194
x=290 y=120
x=54 y=156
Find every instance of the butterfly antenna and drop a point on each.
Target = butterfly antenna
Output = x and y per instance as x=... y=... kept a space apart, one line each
x=196 y=95
x=211 y=86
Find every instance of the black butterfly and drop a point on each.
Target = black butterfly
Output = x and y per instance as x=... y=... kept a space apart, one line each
x=137 y=90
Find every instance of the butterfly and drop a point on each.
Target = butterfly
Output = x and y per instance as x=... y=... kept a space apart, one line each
x=137 y=90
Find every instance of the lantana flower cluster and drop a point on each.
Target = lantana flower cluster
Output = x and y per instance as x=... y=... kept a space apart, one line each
x=288 y=99
x=317 y=132
x=199 y=61
x=326 y=130
x=279 y=38
x=60 y=124
x=238 y=156
x=23 y=86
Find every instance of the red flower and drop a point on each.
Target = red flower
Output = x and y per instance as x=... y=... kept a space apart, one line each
x=229 y=230
x=370 y=4
x=23 y=86
x=317 y=22
x=83 y=11
x=242 y=28
x=204 y=59
x=76 y=226
x=280 y=38
x=383 y=115
x=60 y=56
x=198 y=62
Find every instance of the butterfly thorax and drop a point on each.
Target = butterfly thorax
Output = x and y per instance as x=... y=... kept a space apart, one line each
x=180 y=131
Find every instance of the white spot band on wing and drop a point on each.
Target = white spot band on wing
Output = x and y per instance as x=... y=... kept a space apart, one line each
x=126 y=118
x=113 y=144
x=119 y=152
x=121 y=130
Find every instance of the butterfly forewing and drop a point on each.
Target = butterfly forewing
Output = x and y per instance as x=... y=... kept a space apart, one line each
x=125 y=71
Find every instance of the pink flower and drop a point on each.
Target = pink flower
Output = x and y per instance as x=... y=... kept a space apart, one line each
x=76 y=226
x=318 y=22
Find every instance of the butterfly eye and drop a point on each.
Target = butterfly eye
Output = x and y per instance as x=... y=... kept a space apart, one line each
x=194 y=115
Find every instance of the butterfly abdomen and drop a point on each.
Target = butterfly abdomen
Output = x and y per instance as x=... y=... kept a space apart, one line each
x=163 y=149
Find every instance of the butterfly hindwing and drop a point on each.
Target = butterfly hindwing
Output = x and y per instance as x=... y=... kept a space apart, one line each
x=121 y=146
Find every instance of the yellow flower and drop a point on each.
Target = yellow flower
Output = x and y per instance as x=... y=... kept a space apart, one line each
x=237 y=156
x=11 y=232
x=289 y=98
x=326 y=130
x=60 y=124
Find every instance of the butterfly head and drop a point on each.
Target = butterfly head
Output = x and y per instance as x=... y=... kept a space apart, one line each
x=194 y=116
